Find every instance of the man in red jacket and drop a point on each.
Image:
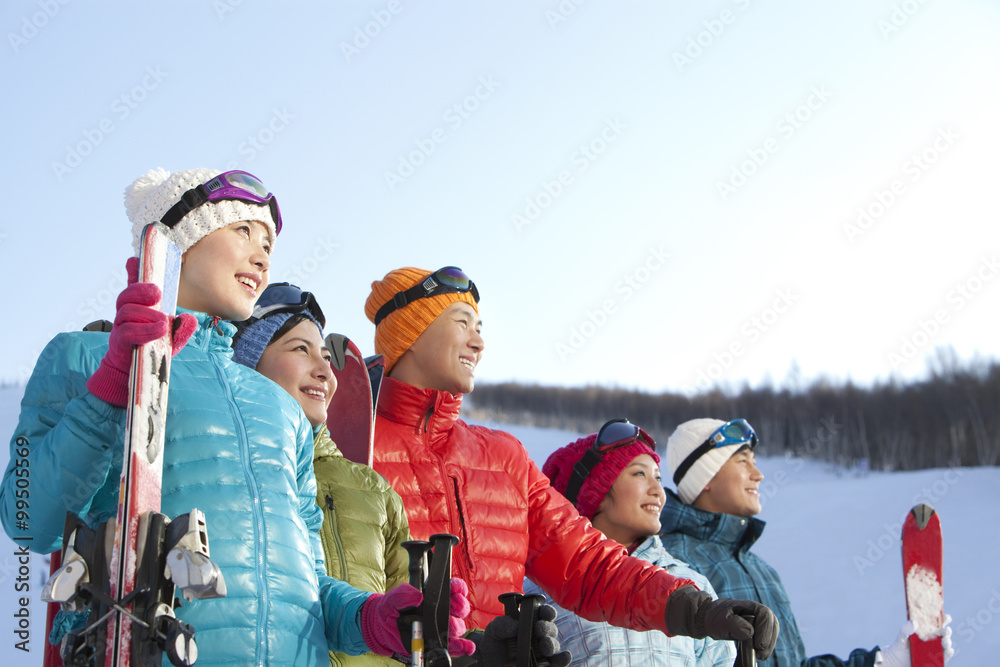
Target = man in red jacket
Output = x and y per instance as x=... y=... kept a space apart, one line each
x=480 y=484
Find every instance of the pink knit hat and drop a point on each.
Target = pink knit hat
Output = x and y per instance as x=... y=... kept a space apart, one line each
x=559 y=469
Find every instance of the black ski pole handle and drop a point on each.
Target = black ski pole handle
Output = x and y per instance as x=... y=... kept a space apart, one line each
x=745 y=656
x=511 y=609
x=410 y=623
x=523 y=609
x=436 y=606
x=417 y=551
x=526 y=632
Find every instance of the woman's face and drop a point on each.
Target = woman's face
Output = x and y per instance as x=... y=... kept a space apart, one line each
x=300 y=363
x=224 y=272
x=631 y=510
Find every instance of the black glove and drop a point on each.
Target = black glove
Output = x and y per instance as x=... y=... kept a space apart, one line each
x=498 y=646
x=693 y=613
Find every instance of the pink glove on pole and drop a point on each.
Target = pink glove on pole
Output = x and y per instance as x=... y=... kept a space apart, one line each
x=137 y=322
x=380 y=611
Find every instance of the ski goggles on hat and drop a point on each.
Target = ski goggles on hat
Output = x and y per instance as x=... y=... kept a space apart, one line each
x=281 y=298
x=614 y=434
x=287 y=298
x=238 y=185
x=449 y=280
x=735 y=432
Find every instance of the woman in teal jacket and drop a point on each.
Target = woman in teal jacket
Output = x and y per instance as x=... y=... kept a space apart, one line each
x=364 y=522
x=237 y=446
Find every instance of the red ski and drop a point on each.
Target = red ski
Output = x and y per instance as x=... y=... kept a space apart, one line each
x=351 y=415
x=119 y=572
x=922 y=559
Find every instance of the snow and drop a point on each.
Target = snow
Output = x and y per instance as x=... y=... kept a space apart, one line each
x=925 y=595
x=832 y=534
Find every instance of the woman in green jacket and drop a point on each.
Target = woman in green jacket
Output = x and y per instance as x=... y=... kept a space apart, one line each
x=364 y=522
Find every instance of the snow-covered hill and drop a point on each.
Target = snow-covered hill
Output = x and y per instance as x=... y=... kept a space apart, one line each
x=832 y=534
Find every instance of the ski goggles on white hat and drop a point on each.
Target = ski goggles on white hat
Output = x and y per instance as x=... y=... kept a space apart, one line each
x=448 y=280
x=735 y=432
x=614 y=434
x=236 y=184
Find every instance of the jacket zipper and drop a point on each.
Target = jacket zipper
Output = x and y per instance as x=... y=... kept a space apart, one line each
x=463 y=529
x=458 y=516
x=338 y=543
x=258 y=529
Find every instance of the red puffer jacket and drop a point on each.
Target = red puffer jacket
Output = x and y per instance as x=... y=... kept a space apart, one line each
x=480 y=484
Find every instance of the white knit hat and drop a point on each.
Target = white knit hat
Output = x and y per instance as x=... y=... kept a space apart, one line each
x=150 y=196
x=685 y=439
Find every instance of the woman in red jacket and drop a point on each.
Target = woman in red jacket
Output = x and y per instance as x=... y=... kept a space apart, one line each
x=481 y=485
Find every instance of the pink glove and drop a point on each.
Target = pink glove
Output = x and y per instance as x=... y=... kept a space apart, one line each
x=136 y=322
x=380 y=612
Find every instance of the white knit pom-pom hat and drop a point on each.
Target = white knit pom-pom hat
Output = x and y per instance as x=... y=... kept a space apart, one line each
x=151 y=195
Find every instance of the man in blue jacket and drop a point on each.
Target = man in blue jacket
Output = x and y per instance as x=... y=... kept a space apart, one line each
x=710 y=524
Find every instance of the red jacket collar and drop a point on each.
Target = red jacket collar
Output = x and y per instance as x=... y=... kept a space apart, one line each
x=428 y=410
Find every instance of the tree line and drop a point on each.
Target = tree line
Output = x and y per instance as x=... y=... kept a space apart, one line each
x=950 y=419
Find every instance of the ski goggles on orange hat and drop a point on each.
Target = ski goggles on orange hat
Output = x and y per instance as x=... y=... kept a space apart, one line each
x=236 y=184
x=613 y=435
x=447 y=280
x=735 y=432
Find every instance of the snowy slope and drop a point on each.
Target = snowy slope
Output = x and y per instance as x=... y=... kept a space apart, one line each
x=832 y=534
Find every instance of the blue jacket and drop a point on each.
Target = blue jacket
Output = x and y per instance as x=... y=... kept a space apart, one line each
x=718 y=546
x=601 y=644
x=239 y=448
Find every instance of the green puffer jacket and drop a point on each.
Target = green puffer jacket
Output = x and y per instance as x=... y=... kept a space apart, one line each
x=363 y=526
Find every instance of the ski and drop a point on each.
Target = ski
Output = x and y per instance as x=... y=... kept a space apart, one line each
x=142 y=465
x=351 y=415
x=121 y=576
x=922 y=569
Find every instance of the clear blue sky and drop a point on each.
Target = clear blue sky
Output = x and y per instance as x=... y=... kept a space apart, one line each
x=655 y=195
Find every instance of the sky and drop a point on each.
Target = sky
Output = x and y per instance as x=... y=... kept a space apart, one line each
x=665 y=196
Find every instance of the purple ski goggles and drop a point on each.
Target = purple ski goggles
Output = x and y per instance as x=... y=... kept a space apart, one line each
x=228 y=185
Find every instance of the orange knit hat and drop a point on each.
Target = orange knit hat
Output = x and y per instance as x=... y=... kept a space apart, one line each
x=396 y=333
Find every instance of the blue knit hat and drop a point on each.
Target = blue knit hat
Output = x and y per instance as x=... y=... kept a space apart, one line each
x=256 y=335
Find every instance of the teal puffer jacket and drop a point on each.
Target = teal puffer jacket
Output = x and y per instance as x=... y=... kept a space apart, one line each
x=239 y=448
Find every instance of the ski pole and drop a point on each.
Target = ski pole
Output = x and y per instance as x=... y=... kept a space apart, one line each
x=522 y=608
x=511 y=609
x=417 y=551
x=525 y=632
x=437 y=601
x=745 y=656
